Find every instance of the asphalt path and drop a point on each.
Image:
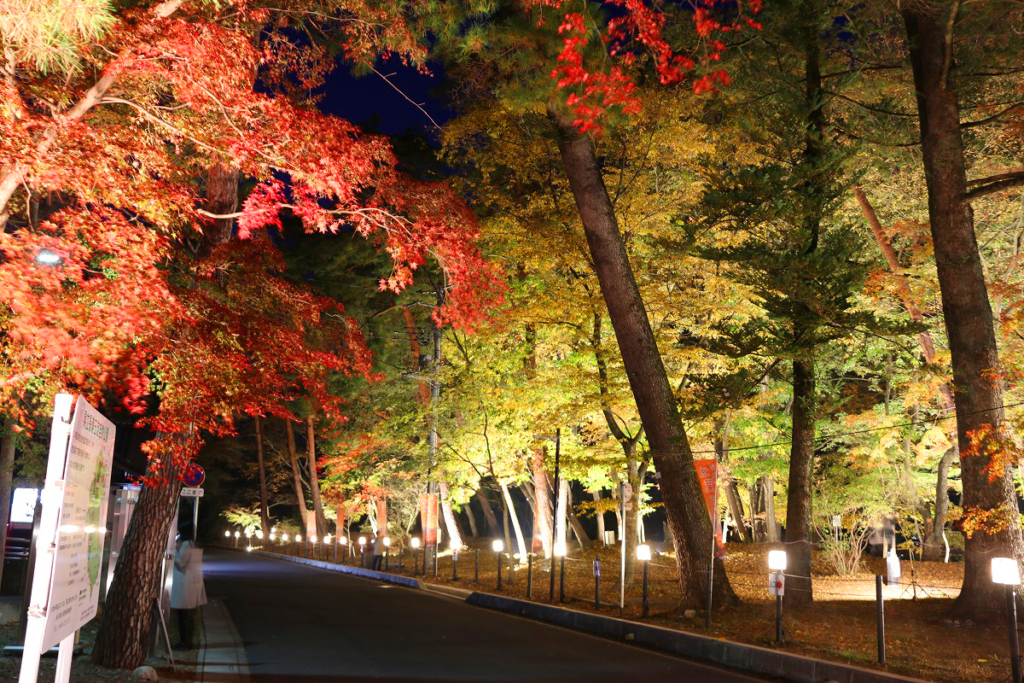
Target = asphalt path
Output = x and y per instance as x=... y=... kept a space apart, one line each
x=302 y=624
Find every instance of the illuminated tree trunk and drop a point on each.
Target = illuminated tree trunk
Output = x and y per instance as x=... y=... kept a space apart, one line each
x=6 y=477
x=966 y=308
x=600 y=516
x=300 y=495
x=574 y=522
x=122 y=641
x=314 y=480
x=521 y=544
x=542 y=503
x=264 y=510
x=485 y=505
x=798 y=509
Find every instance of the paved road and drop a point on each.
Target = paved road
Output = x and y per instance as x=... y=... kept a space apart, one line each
x=302 y=624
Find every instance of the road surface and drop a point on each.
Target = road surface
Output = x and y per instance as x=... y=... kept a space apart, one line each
x=302 y=624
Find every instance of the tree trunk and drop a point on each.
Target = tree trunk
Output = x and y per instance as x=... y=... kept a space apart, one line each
x=221 y=199
x=473 y=530
x=6 y=477
x=562 y=499
x=314 y=480
x=449 y=518
x=966 y=309
x=732 y=497
x=520 y=541
x=655 y=401
x=600 y=516
x=122 y=641
x=934 y=547
x=485 y=505
x=631 y=524
x=798 y=508
x=574 y=523
x=542 y=504
x=300 y=496
x=264 y=510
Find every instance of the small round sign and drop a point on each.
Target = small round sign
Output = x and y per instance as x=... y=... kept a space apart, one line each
x=194 y=475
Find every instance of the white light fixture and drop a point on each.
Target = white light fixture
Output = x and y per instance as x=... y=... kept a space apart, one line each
x=415 y=542
x=560 y=549
x=327 y=538
x=643 y=553
x=312 y=539
x=47 y=257
x=342 y=540
x=237 y=534
x=259 y=535
x=387 y=542
x=362 y=540
x=248 y=533
x=248 y=548
x=777 y=560
x=227 y=534
x=273 y=529
x=498 y=545
x=1005 y=571
x=273 y=536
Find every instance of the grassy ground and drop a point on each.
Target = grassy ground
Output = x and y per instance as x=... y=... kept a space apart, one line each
x=921 y=639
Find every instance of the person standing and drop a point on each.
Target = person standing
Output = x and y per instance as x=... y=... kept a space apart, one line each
x=378 y=550
x=187 y=590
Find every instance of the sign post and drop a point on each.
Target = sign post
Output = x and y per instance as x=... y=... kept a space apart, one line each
x=193 y=479
x=66 y=580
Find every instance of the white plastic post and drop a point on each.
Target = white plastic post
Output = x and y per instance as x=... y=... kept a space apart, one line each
x=45 y=547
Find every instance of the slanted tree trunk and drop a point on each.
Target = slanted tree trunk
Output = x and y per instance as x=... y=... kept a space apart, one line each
x=300 y=495
x=264 y=510
x=574 y=523
x=965 y=306
x=520 y=541
x=473 y=530
x=561 y=499
x=314 y=480
x=485 y=505
x=655 y=401
x=798 y=508
x=6 y=479
x=122 y=641
x=732 y=497
x=449 y=518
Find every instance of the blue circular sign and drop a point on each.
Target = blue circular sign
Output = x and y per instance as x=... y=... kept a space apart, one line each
x=194 y=475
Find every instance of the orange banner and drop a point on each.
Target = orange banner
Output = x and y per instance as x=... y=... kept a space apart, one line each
x=707 y=472
x=382 y=516
x=428 y=518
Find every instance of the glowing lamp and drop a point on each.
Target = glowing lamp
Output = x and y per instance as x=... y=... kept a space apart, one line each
x=227 y=534
x=1005 y=571
x=259 y=535
x=777 y=560
x=560 y=549
x=415 y=542
x=248 y=533
x=342 y=540
x=362 y=540
x=643 y=553
x=273 y=536
x=387 y=542
x=237 y=534
x=498 y=545
x=312 y=539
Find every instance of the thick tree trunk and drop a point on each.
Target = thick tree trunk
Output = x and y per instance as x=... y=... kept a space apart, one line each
x=449 y=518
x=485 y=505
x=680 y=490
x=300 y=495
x=264 y=510
x=542 y=504
x=122 y=641
x=798 y=508
x=6 y=477
x=600 y=516
x=314 y=480
x=631 y=524
x=965 y=306
x=732 y=497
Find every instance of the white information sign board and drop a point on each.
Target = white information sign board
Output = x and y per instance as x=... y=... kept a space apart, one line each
x=75 y=585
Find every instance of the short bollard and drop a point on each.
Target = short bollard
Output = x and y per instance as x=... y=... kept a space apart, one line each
x=400 y=549
x=455 y=565
x=499 y=547
x=529 y=576
x=643 y=553
x=777 y=586
x=476 y=566
x=597 y=582
x=880 y=618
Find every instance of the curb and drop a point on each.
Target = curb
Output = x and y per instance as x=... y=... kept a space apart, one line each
x=750 y=658
x=692 y=646
x=221 y=654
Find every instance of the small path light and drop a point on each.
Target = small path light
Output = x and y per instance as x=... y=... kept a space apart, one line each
x=643 y=553
x=415 y=543
x=560 y=551
x=777 y=586
x=236 y=538
x=362 y=551
x=248 y=537
x=227 y=534
x=387 y=546
x=455 y=561
x=1006 y=572
x=499 y=547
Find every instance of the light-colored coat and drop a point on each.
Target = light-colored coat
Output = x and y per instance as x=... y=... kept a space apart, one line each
x=188 y=591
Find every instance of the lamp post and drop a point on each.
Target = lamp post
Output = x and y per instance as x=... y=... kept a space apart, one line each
x=643 y=553
x=455 y=562
x=387 y=545
x=236 y=538
x=362 y=551
x=1006 y=572
x=248 y=537
x=415 y=543
x=554 y=508
x=560 y=554
x=777 y=586
x=498 y=547
x=343 y=542
x=259 y=537
x=227 y=534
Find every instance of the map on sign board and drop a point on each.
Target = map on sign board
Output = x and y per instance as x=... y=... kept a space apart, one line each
x=75 y=585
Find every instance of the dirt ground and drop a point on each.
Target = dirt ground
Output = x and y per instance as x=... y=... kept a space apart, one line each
x=922 y=640
x=84 y=671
